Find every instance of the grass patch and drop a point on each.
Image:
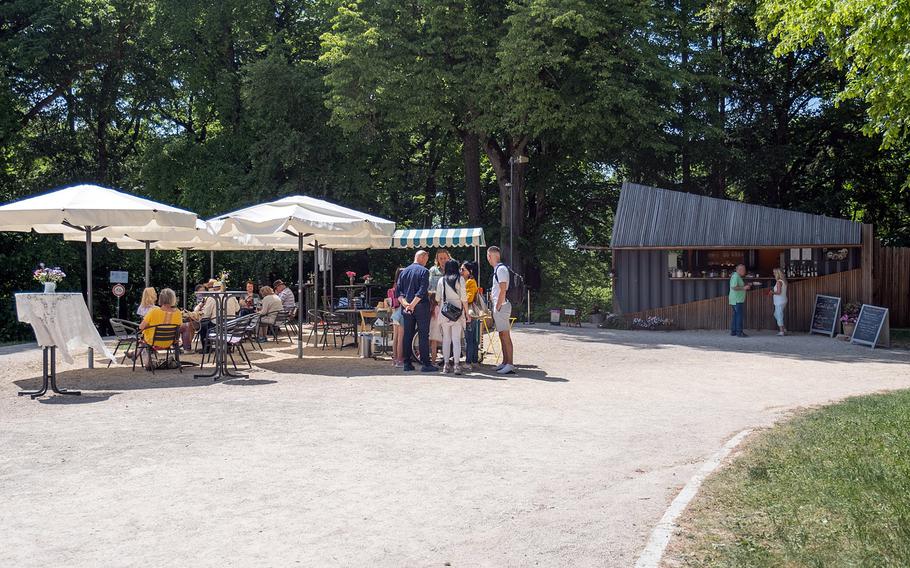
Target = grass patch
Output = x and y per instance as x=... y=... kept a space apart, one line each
x=830 y=487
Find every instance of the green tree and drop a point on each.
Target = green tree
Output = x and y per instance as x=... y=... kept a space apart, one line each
x=867 y=39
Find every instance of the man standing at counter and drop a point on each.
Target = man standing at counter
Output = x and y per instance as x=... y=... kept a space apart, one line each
x=738 y=288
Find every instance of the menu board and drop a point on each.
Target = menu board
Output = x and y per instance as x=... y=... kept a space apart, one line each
x=825 y=314
x=869 y=325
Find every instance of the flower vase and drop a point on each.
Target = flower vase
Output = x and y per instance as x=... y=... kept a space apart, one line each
x=848 y=328
x=351 y=280
x=50 y=287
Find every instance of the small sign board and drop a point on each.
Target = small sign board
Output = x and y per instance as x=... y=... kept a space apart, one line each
x=119 y=277
x=118 y=290
x=869 y=325
x=825 y=314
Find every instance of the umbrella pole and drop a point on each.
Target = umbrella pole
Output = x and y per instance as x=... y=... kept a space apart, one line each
x=148 y=262
x=300 y=296
x=316 y=275
x=88 y=288
x=183 y=291
x=325 y=287
x=211 y=264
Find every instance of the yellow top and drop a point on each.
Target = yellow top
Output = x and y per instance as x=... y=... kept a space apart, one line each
x=157 y=316
x=470 y=286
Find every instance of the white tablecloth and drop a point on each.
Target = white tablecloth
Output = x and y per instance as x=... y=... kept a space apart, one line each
x=62 y=320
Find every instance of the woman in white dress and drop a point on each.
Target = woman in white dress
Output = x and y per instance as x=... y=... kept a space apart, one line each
x=451 y=289
x=779 y=297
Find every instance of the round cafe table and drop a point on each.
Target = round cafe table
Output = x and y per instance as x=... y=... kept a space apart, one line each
x=221 y=339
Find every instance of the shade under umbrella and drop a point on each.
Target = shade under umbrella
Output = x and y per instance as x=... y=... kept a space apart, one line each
x=86 y=209
x=304 y=219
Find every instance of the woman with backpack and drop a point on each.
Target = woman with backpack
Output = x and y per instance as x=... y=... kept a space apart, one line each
x=451 y=293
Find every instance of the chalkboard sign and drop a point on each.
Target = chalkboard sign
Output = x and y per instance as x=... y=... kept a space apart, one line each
x=869 y=325
x=825 y=314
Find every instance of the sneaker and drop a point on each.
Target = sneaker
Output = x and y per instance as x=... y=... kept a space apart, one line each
x=506 y=370
x=428 y=369
x=457 y=370
x=500 y=366
x=781 y=334
x=407 y=368
x=398 y=364
x=742 y=335
x=447 y=369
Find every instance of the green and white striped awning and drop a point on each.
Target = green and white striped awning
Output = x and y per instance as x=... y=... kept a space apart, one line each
x=425 y=238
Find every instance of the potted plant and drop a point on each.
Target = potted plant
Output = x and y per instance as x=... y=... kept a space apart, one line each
x=367 y=279
x=49 y=277
x=849 y=317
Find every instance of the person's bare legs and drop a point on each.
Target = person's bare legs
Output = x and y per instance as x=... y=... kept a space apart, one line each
x=397 y=342
x=505 y=339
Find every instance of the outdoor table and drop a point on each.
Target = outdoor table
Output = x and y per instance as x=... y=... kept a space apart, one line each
x=353 y=315
x=350 y=290
x=60 y=321
x=220 y=339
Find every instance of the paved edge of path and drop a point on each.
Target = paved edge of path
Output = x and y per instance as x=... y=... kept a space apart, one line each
x=653 y=553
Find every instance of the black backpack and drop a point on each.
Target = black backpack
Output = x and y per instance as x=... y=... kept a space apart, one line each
x=515 y=291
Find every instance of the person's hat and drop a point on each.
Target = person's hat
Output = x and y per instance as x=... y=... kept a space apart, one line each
x=277 y=283
x=216 y=284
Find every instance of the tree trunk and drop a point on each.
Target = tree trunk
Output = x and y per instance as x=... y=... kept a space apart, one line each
x=718 y=164
x=510 y=163
x=470 y=152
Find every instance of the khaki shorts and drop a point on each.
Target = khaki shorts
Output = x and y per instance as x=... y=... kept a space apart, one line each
x=502 y=317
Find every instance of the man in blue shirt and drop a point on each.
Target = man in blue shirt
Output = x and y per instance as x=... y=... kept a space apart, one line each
x=412 y=295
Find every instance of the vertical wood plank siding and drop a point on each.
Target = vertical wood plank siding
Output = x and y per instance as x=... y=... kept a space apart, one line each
x=892 y=283
x=715 y=313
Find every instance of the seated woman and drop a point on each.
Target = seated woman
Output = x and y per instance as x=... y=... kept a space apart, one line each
x=248 y=301
x=271 y=305
x=165 y=314
x=149 y=299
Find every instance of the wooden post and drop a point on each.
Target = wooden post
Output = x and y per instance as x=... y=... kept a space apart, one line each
x=866 y=261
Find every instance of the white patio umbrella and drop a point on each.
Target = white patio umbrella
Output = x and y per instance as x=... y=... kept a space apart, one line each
x=86 y=209
x=301 y=218
x=208 y=243
x=145 y=237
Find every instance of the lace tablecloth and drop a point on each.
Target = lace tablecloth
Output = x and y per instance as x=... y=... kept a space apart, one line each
x=61 y=320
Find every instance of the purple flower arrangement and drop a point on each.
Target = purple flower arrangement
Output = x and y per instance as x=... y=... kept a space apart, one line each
x=43 y=274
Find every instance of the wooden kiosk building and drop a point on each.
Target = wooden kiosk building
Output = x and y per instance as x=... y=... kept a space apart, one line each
x=673 y=254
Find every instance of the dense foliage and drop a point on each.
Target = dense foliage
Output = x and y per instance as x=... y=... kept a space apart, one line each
x=522 y=117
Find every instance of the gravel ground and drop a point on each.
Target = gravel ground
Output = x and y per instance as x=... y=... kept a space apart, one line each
x=338 y=461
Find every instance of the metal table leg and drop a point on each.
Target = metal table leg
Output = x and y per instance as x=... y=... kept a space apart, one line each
x=220 y=369
x=48 y=375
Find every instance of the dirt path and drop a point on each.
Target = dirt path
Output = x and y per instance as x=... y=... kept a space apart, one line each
x=349 y=463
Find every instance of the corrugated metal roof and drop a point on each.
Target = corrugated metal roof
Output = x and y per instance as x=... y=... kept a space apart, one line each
x=659 y=218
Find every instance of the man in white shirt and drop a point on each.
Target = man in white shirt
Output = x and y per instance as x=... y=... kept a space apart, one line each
x=502 y=308
x=287 y=297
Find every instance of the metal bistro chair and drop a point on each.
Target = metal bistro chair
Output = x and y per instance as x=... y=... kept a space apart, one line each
x=251 y=333
x=338 y=326
x=281 y=323
x=166 y=333
x=125 y=331
x=315 y=323
x=235 y=331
